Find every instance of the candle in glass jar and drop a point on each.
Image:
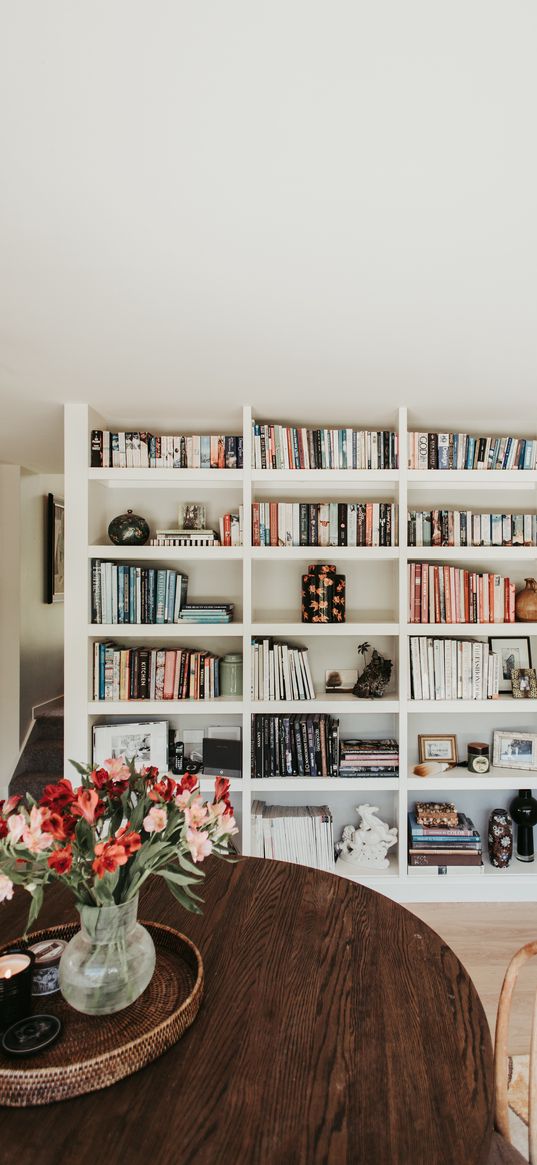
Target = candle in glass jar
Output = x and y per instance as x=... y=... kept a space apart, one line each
x=15 y=986
x=13 y=964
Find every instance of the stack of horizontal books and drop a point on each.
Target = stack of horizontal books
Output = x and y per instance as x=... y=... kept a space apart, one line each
x=442 y=848
x=369 y=758
x=206 y=613
x=173 y=537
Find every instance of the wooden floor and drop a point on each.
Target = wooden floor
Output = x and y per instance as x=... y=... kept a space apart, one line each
x=485 y=936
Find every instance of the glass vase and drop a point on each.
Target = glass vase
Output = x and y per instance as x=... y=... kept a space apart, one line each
x=110 y=960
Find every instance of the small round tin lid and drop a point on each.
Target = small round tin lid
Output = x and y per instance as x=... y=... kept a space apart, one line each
x=29 y=1036
x=48 y=951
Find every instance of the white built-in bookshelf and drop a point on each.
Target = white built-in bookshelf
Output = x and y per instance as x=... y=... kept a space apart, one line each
x=264 y=583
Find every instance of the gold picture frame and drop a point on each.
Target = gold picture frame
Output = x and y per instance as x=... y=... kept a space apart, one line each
x=524 y=681
x=441 y=747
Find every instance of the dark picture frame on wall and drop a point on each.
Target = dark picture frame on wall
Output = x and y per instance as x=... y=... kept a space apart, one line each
x=55 y=549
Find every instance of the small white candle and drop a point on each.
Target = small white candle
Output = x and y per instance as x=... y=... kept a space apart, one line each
x=12 y=965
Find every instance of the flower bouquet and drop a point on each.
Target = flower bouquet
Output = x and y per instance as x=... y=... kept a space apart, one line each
x=103 y=839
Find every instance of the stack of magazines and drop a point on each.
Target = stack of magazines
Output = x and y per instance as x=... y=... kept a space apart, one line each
x=369 y=758
x=206 y=613
x=294 y=833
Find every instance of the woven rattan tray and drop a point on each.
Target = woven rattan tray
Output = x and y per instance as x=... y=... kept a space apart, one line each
x=95 y=1051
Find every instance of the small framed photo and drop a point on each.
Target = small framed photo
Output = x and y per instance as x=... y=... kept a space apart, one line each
x=524 y=681
x=515 y=652
x=192 y=516
x=55 y=549
x=439 y=748
x=143 y=743
x=340 y=681
x=515 y=750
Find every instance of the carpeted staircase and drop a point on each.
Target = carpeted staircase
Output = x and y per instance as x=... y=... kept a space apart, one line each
x=41 y=761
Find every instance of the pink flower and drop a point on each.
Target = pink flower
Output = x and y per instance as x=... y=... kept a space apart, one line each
x=6 y=888
x=196 y=813
x=182 y=800
x=33 y=836
x=199 y=844
x=223 y=821
x=15 y=826
x=156 y=820
x=117 y=769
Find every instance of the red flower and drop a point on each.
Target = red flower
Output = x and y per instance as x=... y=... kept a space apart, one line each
x=108 y=856
x=221 y=790
x=61 y=860
x=130 y=841
x=188 y=783
x=3 y=828
x=60 y=827
x=58 y=796
x=7 y=807
x=116 y=789
x=163 y=790
x=87 y=805
x=99 y=778
x=150 y=773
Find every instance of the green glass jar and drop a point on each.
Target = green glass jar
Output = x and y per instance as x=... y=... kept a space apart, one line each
x=231 y=674
x=478 y=757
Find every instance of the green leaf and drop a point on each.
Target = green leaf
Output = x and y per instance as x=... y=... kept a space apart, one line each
x=186 y=864
x=84 y=770
x=183 y=897
x=177 y=879
x=35 y=906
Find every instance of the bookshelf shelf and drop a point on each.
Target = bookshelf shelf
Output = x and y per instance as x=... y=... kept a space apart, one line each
x=165 y=553
x=305 y=630
x=167 y=478
x=264 y=584
x=453 y=630
x=164 y=631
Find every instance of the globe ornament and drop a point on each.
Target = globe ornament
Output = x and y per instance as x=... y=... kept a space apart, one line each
x=128 y=530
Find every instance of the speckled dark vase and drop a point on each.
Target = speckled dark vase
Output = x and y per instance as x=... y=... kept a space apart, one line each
x=128 y=530
x=500 y=837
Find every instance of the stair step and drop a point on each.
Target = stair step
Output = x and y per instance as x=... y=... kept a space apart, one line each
x=33 y=783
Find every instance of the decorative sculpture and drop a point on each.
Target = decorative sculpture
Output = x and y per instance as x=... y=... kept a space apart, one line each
x=375 y=676
x=367 y=846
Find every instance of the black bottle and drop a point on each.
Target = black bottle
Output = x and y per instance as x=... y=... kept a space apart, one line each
x=523 y=810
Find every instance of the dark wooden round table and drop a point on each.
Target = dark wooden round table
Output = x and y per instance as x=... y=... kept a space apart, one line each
x=336 y=1027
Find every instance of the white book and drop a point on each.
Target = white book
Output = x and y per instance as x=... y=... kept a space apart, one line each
x=466 y=670
x=352 y=524
x=430 y=668
x=266 y=670
x=447 y=669
x=477 y=672
x=307 y=670
x=416 y=667
x=276 y=657
x=271 y=675
x=424 y=667
x=292 y=669
x=301 y=694
x=286 y=672
x=444 y=871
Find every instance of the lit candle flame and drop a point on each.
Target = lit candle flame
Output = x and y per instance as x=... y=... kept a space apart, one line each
x=8 y=973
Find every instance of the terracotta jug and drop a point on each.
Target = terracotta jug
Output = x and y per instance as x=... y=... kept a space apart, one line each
x=526 y=603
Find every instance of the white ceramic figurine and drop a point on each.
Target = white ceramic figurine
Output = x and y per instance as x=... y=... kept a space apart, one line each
x=368 y=845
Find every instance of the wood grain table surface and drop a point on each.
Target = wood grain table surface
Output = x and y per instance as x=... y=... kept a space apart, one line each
x=336 y=1027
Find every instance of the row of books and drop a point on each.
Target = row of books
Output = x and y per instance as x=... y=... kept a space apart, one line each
x=324 y=524
x=465 y=528
x=148 y=451
x=280 y=672
x=288 y=447
x=140 y=673
x=453 y=669
x=455 y=848
x=369 y=758
x=295 y=746
x=135 y=594
x=462 y=451
x=449 y=594
x=294 y=833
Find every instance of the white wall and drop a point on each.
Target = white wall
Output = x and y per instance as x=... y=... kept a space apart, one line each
x=9 y=620
x=41 y=624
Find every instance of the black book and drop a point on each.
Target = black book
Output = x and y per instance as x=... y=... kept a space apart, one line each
x=318 y=449
x=299 y=751
x=342 y=524
x=230 y=452
x=96 y=598
x=143 y=673
x=389 y=532
x=240 y=452
x=96 y=449
x=304 y=733
x=432 y=459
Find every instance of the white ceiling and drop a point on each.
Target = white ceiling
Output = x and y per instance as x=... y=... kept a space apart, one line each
x=324 y=209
